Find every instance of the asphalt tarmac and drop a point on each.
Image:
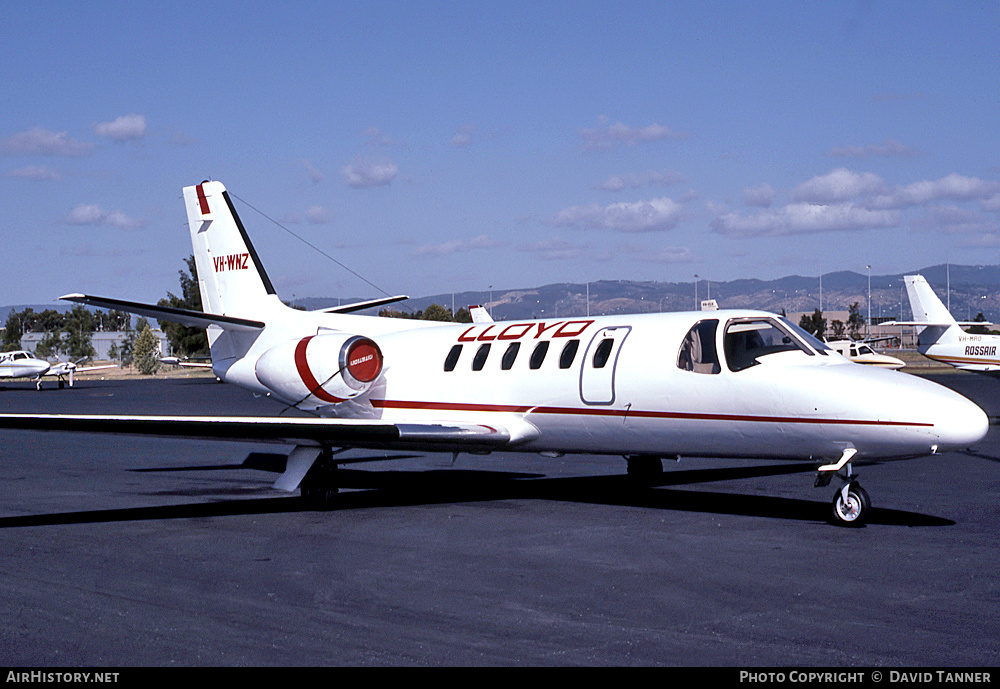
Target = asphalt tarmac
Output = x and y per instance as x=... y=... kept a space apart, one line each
x=122 y=551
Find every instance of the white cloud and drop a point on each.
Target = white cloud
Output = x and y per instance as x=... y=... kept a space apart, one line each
x=456 y=246
x=89 y=214
x=760 y=197
x=36 y=172
x=556 y=249
x=668 y=254
x=642 y=216
x=462 y=137
x=637 y=180
x=953 y=187
x=125 y=128
x=805 y=218
x=890 y=149
x=314 y=175
x=955 y=220
x=607 y=136
x=43 y=142
x=838 y=186
x=317 y=215
x=364 y=174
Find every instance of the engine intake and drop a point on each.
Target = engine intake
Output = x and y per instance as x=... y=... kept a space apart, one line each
x=321 y=369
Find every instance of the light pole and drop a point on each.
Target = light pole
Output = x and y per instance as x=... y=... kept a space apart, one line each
x=868 y=329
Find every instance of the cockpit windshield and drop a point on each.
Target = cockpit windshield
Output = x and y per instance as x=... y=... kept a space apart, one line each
x=810 y=339
x=748 y=339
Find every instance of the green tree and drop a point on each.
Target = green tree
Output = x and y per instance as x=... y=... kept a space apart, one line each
x=12 y=332
x=837 y=326
x=146 y=352
x=814 y=324
x=979 y=329
x=186 y=341
x=855 y=322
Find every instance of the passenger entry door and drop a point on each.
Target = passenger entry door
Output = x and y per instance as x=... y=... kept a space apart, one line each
x=597 y=376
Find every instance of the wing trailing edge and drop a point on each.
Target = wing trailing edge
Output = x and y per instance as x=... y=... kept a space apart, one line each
x=363 y=433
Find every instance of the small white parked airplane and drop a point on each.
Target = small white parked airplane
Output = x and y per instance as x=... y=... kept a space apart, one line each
x=941 y=338
x=727 y=383
x=862 y=353
x=22 y=364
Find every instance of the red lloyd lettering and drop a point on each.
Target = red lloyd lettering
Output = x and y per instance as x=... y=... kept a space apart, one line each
x=517 y=331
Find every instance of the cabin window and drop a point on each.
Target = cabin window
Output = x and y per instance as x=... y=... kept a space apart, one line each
x=452 y=359
x=508 y=357
x=698 y=352
x=538 y=355
x=568 y=353
x=747 y=340
x=602 y=352
x=479 y=360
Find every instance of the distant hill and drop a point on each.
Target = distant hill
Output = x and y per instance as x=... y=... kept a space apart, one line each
x=974 y=289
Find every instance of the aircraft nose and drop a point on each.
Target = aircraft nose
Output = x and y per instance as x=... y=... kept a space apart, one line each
x=959 y=422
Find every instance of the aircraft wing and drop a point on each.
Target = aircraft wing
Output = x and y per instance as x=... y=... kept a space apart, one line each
x=364 y=433
x=193 y=319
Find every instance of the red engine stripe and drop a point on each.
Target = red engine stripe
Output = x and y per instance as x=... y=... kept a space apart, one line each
x=302 y=366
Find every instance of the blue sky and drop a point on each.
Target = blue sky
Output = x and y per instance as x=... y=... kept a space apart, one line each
x=447 y=146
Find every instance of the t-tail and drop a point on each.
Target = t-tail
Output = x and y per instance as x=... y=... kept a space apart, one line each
x=931 y=317
x=231 y=278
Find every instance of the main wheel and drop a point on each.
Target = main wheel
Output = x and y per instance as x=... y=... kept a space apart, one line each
x=854 y=510
x=645 y=471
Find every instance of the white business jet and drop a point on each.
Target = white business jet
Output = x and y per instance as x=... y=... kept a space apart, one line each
x=22 y=364
x=941 y=338
x=727 y=383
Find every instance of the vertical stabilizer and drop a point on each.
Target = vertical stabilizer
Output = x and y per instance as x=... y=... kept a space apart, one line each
x=230 y=275
x=928 y=309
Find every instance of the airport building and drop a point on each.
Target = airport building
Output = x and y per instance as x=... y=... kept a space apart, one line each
x=101 y=341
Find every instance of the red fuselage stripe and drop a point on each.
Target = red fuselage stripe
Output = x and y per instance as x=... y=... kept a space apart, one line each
x=630 y=413
x=302 y=366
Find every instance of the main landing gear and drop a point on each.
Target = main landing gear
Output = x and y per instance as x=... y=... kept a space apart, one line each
x=319 y=487
x=851 y=505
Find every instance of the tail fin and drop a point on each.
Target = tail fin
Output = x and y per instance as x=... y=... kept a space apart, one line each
x=928 y=311
x=230 y=275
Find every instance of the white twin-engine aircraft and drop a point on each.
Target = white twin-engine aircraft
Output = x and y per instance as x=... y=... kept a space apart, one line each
x=21 y=364
x=743 y=384
x=941 y=338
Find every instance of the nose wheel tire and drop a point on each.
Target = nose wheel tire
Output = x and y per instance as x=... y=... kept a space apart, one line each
x=851 y=506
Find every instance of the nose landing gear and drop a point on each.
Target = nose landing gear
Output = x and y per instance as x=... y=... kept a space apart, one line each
x=851 y=505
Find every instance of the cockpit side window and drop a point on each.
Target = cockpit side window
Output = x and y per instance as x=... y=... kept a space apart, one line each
x=748 y=339
x=698 y=352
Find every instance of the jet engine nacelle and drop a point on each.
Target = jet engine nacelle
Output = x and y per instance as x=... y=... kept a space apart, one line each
x=321 y=369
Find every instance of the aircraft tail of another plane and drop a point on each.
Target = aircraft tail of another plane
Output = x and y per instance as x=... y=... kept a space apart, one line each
x=932 y=318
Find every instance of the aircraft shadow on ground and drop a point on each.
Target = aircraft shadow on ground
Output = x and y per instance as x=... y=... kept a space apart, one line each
x=374 y=489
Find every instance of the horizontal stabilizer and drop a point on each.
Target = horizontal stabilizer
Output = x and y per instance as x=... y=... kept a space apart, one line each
x=192 y=319
x=928 y=324
x=362 y=305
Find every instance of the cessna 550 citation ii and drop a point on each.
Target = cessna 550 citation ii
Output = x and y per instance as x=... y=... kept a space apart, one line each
x=725 y=383
x=941 y=338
